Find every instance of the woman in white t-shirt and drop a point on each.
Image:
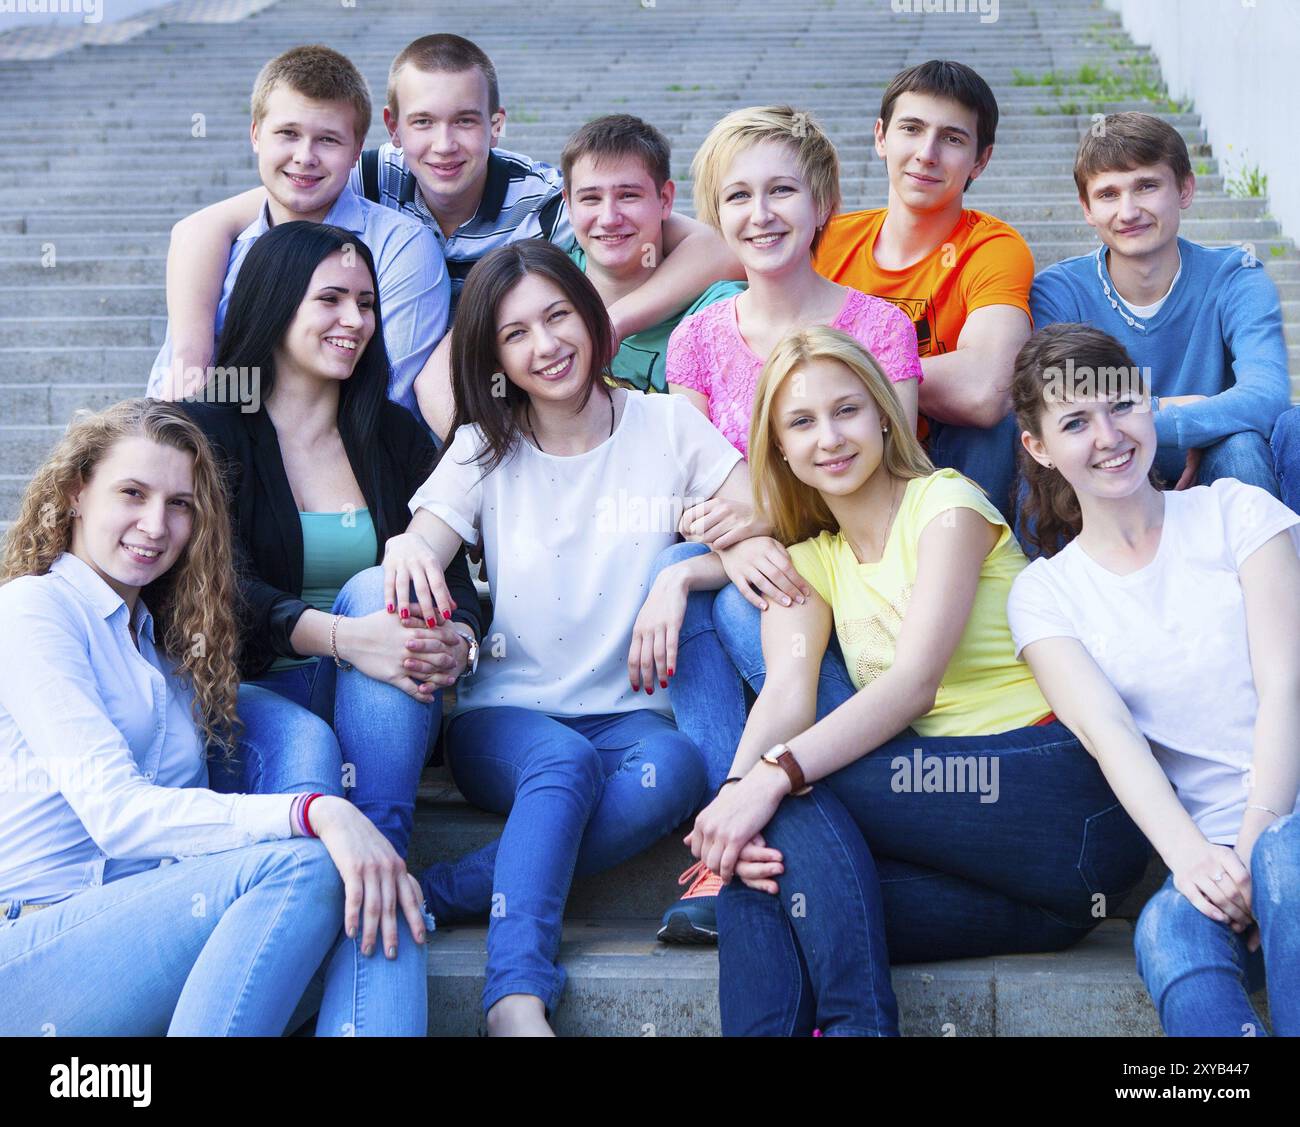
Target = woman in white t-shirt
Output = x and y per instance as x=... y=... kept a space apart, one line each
x=571 y=488
x=1164 y=634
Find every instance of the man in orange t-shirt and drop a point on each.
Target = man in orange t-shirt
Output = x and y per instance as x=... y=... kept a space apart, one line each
x=962 y=276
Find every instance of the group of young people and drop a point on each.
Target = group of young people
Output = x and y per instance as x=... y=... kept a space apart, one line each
x=749 y=492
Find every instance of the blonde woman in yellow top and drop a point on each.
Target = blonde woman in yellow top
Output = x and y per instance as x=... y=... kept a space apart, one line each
x=950 y=813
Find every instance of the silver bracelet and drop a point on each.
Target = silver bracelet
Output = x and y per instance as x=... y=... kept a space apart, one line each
x=334 y=644
x=1266 y=809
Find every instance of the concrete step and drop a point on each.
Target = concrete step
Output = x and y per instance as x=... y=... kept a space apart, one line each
x=622 y=983
x=53 y=404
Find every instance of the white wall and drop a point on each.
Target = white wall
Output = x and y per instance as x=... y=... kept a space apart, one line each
x=1238 y=60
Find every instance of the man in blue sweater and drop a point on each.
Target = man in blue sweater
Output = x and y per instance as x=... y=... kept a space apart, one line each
x=1204 y=322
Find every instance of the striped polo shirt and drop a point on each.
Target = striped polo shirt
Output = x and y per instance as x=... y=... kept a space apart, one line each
x=521 y=200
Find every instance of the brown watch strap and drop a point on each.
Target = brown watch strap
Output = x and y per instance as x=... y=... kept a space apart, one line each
x=787 y=762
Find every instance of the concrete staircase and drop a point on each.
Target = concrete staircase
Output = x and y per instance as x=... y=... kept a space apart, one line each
x=100 y=159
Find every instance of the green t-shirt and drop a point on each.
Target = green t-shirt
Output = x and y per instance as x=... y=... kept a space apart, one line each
x=335 y=547
x=640 y=358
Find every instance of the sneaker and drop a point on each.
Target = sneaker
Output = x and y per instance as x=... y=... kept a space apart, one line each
x=694 y=918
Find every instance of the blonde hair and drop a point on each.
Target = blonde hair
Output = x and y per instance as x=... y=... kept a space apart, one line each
x=193 y=603
x=819 y=164
x=320 y=74
x=797 y=510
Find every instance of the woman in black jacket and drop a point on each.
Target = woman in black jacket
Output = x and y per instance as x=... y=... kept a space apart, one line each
x=319 y=468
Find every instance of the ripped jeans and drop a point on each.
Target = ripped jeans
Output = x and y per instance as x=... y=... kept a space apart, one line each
x=1199 y=972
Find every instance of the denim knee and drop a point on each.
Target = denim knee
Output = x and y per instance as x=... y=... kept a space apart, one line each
x=1275 y=862
x=1245 y=456
x=675 y=554
x=362 y=594
x=1160 y=939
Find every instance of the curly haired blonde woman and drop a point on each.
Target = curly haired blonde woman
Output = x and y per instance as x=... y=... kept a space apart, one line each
x=118 y=673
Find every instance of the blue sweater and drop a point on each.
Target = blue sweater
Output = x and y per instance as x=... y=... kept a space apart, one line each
x=1218 y=334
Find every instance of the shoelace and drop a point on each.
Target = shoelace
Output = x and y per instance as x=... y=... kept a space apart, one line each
x=702 y=876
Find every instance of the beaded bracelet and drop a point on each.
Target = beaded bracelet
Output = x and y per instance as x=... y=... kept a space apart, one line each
x=334 y=644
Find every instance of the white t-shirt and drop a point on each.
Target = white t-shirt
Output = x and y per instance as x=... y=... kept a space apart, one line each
x=1171 y=638
x=569 y=543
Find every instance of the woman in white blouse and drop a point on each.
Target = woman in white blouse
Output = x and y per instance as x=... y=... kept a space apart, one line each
x=1164 y=634
x=572 y=487
x=118 y=671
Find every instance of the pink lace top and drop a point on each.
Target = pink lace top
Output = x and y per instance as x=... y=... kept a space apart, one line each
x=706 y=353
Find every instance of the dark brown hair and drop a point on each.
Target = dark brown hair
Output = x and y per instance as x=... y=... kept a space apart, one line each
x=1049 y=508
x=1129 y=140
x=943 y=78
x=451 y=53
x=482 y=396
x=619 y=135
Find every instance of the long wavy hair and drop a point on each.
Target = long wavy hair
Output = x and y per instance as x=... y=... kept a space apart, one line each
x=193 y=603
x=797 y=510
x=483 y=395
x=272 y=283
x=1050 y=516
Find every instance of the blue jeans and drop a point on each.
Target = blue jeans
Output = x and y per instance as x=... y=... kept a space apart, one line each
x=221 y=945
x=879 y=871
x=986 y=455
x=582 y=794
x=1286 y=457
x=707 y=689
x=1245 y=456
x=385 y=736
x=919 y=875
x=287 y=750
x=1199 y=972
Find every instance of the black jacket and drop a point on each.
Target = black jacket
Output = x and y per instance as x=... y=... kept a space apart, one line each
x=268 y=531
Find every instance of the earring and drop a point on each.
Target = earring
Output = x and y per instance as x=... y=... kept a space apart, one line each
x=1051 y=465
x=72 y=512
x=884 y=430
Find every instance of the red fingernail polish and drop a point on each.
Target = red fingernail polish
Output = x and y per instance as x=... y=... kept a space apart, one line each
x=406 y=613
x=649 y=690
x=431 y=622
x=390 y=608
x=671 y=672
x=447 y=615
x=663 y=684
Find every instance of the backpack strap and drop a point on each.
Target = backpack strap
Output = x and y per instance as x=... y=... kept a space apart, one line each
x=370 y=175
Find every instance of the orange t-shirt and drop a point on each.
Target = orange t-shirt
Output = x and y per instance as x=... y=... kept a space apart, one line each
x=984 y=261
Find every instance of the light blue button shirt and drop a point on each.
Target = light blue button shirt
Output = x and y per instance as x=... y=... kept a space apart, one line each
x=414 y=290
x=102 y=768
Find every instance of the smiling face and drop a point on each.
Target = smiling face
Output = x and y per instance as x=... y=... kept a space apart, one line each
x=1135 y=213
x=828 y=427
x=135 y=514
x=617 y=212
x=929 y=150
x=334 y=322
x=447 y=131
x=766 y=211
x=305 y=152
x=1104 y=447
x=542 y=342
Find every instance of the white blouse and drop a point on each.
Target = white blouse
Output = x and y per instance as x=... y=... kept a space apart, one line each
x=569 y=544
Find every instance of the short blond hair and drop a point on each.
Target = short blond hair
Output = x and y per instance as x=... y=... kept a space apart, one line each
x=819 y=164
x=797 y=511
x=319 y=73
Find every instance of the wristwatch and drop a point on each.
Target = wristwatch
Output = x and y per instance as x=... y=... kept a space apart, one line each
x=781 y=756
x=471 y=665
